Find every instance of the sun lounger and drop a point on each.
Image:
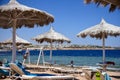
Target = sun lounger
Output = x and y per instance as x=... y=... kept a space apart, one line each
x=4 y=69
x=4 y=72
x=27 y=75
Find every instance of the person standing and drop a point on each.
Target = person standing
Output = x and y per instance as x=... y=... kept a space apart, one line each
x=72 y=63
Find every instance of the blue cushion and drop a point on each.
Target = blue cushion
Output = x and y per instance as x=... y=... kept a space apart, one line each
x=5 y=72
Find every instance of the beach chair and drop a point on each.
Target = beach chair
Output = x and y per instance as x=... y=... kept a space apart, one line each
x=4 y=69
x=27 y=75
x=3 y=73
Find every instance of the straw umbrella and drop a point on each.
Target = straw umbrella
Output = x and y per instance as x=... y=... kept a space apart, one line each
x=19 y=41
x=15 y=15
x=114 y=4
x=101 y=31
x=51 y=36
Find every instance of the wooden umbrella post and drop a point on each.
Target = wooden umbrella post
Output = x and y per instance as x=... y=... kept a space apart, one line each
x=14 y=41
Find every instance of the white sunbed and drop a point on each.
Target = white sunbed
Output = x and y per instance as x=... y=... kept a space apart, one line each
x=22 y=74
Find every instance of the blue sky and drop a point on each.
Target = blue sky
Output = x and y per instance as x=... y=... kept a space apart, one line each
x=71 y=17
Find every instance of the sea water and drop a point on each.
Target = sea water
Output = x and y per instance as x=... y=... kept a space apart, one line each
x=64 y=57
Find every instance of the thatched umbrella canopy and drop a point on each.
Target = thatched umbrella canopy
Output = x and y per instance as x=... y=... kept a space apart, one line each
x=25 y=16
x=101 y=31
x=19 y=41
x=15 y=15
x=114 y=4
x=51 y=36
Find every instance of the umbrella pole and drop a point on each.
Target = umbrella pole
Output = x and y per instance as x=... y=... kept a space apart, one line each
x=51 y=51
x=104 y=65
x=14 y=42
x=103 y=40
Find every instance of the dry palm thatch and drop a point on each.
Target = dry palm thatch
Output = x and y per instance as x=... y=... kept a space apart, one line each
x=51 y=36
x=98 y=30
x=19 y=41
x=114 y=4
x=25 y=16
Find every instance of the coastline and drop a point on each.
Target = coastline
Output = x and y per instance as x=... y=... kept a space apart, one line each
x=86 y=49
x=65 y=48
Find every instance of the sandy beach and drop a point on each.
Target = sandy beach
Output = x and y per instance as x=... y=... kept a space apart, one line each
x=67 y=70
x=76 y=72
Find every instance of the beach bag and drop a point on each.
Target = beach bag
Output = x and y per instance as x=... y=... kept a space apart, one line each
x=97 y=74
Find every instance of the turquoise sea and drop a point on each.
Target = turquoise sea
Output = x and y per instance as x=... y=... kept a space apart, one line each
x=64 y=57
